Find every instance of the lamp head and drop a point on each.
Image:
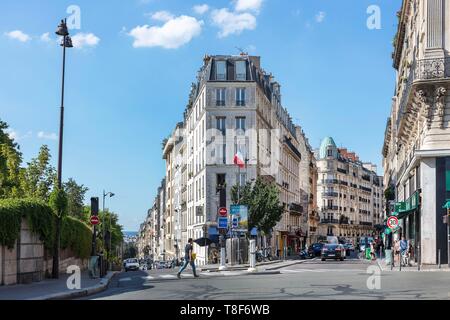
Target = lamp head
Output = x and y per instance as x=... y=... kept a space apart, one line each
x=62 y=29
x=68 y=43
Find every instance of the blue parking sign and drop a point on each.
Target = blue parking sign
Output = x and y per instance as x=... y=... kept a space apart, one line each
x=223 y=223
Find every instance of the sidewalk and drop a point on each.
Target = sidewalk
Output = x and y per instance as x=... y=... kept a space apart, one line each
x=55 y=289
x=414 y=268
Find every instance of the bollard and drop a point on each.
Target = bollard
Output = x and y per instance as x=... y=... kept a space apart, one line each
x=418 y=258
x=439 y=258
x=223 y=255
x=252 y=255
x=392 y=259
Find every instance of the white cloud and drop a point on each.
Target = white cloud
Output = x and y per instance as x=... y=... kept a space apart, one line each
x=47 y=136
x=18 y=35
x=163 y=16
x=201 y=9
x=81 y=40
x=172 y=35
x=232 y=23
x=320 y=17
x=46 y=37
x=15 y=135
x=248 y=5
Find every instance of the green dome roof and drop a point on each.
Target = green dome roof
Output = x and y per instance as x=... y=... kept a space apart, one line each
x=327 y=143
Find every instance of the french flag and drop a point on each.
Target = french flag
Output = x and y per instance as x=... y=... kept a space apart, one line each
x=239 y=160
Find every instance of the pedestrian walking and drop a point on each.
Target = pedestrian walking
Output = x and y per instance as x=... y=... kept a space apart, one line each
x=189 y=258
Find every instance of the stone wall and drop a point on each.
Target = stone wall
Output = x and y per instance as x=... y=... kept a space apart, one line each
x=29 y=262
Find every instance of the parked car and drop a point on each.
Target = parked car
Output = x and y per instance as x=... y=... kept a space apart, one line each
x=132 y=264
x=161 y=265
x=315 y=249
x=333 y=251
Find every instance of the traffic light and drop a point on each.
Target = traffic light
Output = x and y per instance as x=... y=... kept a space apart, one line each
x=94 y=206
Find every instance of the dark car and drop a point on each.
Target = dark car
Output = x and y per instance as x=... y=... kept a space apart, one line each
x=333 y=251
x=315 y=250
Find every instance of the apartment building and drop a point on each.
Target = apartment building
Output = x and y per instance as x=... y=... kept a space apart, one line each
x=416 y=151
x=349 y=194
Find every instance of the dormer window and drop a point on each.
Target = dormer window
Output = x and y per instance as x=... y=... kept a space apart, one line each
x=221 y=70
x=241 y=71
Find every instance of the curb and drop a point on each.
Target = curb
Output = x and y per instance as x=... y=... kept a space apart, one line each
x=83 y=292
x=287 y=265
x=380 y=265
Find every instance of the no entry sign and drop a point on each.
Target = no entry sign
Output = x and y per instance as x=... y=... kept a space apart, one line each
x=392 y=223
x=95 y=220
x=223 y=212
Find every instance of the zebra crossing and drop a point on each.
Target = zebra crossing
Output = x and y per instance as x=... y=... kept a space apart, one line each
x=183 y=276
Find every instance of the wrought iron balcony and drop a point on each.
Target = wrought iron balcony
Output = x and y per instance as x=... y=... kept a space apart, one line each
x=329 y=221
x=330 y=194
x=366 y=224
x=295 y=208
x=436 y=69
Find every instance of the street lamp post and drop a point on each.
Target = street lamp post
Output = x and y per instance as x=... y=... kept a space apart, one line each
x=66 y=43
x=110 y=194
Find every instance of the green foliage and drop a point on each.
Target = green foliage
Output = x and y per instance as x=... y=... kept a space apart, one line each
x=75 y=235
x=10 y=160
x=389 y=194
x=39 y=177
x=38 y=215
x=75 y=198
x=58 y=202
x=263 y=201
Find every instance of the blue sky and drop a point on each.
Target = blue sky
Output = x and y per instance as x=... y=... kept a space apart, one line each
x=129 y=76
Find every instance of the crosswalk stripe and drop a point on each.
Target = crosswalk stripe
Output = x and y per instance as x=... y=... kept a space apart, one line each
x=168 y=276
x=148 y=278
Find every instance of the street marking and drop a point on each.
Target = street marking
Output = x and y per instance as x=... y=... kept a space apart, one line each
x=168 y=276
x=124 y=279
x=148 y=278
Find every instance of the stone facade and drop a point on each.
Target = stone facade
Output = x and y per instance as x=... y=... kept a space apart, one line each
x=416 y=151
x=234 y=107
x=349 y=194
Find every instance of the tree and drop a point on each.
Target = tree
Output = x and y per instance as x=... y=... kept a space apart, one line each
x=75 y=199
x=40 y=176
x=10 y=161
x=263 y=201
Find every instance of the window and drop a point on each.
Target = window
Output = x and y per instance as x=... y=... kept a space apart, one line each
x=221 y=147
x=240 y=126
x=241 y=70
x=330 y=152
x=240 y=97
x=221 y=70
x=221 y=125
x=220 y=97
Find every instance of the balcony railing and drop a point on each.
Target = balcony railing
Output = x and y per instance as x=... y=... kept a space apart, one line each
x=330 y=194
x=366 y=224
x=329 y=221
x=295 y=208
x=330 y=208
x=422 y=70
x=330 y=181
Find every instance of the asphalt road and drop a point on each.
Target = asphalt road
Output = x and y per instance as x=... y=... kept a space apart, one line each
x=312 y=279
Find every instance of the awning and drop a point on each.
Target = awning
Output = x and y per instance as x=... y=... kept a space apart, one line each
x=404 y=214
x=447 y=205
